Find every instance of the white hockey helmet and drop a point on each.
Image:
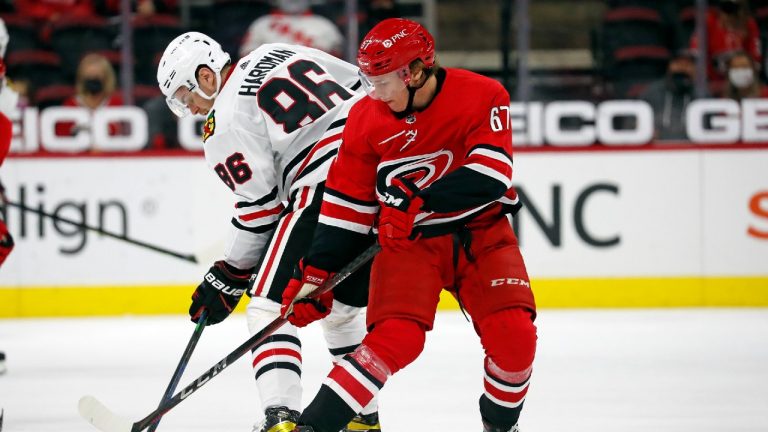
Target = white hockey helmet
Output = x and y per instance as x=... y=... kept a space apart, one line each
x=180 y=62
x=4 y=38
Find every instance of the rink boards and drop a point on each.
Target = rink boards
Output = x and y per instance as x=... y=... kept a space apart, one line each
x=602 y=227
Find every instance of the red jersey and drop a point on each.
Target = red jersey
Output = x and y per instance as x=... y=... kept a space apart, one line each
x=6 y=134
x=722 y=41
x=457 y=150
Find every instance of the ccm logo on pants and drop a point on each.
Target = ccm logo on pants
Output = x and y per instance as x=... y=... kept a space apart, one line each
x=510 y=281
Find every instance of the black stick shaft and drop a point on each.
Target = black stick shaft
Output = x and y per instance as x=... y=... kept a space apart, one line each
x=182 y=364
x=250 y=343
x=190 y=258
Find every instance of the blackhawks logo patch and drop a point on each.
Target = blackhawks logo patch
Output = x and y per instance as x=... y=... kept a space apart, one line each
x=209 y=126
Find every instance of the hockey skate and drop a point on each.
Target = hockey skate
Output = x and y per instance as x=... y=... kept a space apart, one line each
x=490 y=428
x=277 y=419
x=2 y=363
x=364 y=423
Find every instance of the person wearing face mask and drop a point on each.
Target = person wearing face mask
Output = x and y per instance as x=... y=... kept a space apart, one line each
x=669 y=97
x=94 y=88
x=743 y=82
x=293 y=22
x=729 y=28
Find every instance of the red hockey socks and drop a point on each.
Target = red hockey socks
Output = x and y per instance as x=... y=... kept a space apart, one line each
x=509 y=339
x=358 y=377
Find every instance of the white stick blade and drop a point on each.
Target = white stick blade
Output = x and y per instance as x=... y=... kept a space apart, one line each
x=100 y=416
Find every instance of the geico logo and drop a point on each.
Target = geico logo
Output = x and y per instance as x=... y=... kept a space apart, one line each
x=631 y=122
x=510 y=281
x=35 y=130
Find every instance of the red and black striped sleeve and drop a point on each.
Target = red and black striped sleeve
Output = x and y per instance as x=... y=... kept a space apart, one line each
x=349 y=206
x=486 y=173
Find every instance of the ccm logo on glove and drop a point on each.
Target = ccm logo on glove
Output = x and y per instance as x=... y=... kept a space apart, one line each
x=393 y=201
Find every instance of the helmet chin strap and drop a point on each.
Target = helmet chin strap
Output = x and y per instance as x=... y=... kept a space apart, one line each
x=215 y=93
x=412 y=92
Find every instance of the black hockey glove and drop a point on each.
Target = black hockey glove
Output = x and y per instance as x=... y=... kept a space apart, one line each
x=219 y=292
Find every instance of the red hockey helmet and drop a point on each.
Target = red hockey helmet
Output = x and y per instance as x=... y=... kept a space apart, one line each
x=393 y=43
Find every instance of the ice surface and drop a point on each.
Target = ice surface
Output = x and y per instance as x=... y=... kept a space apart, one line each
x=687 y=370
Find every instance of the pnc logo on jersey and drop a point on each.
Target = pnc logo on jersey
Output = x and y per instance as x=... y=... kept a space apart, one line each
x=209 y=126
x=396 y=37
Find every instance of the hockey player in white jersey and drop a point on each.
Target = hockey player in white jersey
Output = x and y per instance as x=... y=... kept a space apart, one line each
x=273 y=128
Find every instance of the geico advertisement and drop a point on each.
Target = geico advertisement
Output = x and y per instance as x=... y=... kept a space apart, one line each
x=586 y=214
x=173 y=204
x=560 y=124
x=644 y=213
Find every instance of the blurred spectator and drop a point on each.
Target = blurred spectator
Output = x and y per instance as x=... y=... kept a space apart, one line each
x=52 y=10
x=743 y=82
x=729 y=28
x=669 y=97
x=141 y=7
x=162 y=125
x=293 y=22
x=95 y=88
x=9 y=99
x=377 y=11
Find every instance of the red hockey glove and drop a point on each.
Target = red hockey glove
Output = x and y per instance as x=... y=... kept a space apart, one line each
x=398 y=213
x=6 y=242
x=299 y=309
x=220 y=291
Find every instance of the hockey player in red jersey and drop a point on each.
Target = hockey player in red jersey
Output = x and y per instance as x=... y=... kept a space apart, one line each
x=426 y=158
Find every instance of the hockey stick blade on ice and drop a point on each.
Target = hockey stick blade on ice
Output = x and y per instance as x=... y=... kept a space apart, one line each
x=105 y=420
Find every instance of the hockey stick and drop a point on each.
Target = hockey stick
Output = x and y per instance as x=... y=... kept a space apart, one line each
x=190 y=258
x=105 y=420
x=182 y=363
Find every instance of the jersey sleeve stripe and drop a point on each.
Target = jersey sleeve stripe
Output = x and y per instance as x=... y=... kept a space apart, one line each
x=491 y=154
x=347 y=214
x=261 y=213
x=350 y=199
x=343 y=224
x=368 y=209
x=261 y=229
x=271 y=196
x=490 y=148
x=299 y=158
x=305 y=171
x=509 y=201
x=506 y=180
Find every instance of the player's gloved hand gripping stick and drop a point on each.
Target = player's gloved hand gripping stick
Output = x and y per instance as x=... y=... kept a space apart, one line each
x=105 y=420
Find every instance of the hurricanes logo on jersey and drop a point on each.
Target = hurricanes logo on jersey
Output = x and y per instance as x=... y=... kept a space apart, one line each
x=209 y=126
x=422 y=170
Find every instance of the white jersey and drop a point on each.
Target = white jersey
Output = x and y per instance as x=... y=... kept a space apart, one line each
x=275 y=127
x=314 y=31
